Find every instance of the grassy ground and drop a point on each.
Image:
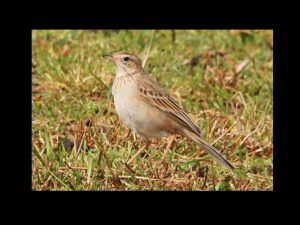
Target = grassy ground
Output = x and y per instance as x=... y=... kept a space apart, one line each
x=223 y=79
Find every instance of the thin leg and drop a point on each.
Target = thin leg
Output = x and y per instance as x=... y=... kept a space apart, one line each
x=170 y=141
x=134 y=136
x=126 y=136
x=139 y=152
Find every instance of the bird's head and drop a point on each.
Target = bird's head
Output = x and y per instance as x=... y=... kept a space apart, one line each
x=125 y=62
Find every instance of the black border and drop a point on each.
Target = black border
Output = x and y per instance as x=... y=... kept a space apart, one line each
x=282 y=141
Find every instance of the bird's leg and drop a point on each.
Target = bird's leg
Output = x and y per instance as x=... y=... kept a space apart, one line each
x=139 y=152
x=134 y=136
x=126 y=136
x=170 y=141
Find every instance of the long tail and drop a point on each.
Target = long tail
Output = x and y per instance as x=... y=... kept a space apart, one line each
x=210 y=149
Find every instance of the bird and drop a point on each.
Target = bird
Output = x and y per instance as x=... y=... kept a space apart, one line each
x=145 y=108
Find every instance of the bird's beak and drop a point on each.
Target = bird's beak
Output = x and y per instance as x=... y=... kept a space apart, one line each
x=110 y=57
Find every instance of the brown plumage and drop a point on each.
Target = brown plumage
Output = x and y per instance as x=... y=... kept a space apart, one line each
x=146 y=109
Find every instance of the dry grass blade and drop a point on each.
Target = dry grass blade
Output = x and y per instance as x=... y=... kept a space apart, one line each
x=224 y=133
x=239 y=68
x=148 y=50
x=52 y=174
x=253 y=132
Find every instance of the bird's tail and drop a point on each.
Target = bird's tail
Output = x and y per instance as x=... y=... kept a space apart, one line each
x=210 y=149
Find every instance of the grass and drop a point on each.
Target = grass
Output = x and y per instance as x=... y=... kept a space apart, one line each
x=223 y=79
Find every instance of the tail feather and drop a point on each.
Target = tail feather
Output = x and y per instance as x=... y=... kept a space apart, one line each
x=210 y=149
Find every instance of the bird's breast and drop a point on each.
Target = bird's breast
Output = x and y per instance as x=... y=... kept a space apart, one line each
x=135 y=113
x=125 y=99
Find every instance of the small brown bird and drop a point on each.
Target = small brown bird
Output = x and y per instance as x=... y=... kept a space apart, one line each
x=147 y=110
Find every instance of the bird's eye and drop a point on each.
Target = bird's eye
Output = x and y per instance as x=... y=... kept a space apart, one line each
x=126 y=58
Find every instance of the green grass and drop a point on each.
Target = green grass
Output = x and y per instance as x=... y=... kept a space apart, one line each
x=72 y=104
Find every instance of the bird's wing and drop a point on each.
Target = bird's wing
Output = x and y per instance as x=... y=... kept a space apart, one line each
x=151 y=93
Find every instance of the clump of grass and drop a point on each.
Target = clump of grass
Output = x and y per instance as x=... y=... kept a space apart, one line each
x=224 y=80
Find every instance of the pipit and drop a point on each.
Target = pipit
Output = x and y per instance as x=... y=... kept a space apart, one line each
x=147 y=110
